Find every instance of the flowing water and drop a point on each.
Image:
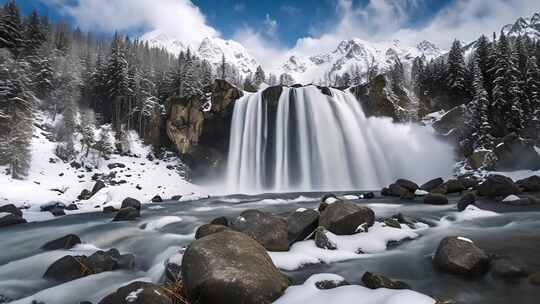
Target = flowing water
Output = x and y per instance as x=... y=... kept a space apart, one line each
x=152 y=241
x=312 y=141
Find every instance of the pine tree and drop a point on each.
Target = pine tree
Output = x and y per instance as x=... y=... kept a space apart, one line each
x=86 y=128
x=455 y=79
x=397 y=76
x=34 y=34
x=104 y=145
x=192 y=80
x=223 y=67
x=116 y=81
x=11 y=29
x=532 y=110
x=483 y=57
x=478 y=111
x=259 y=77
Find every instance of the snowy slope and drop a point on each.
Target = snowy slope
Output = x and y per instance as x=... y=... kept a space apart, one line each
x=352 y=54
x=524 y=27
x=47 y=173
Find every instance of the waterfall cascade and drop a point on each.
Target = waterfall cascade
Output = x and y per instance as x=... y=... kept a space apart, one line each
x=312 y=141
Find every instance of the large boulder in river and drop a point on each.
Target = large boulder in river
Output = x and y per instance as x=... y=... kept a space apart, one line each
x=435 y=199
x=66 y=242
x=497 y=185
x=407 y=184
x=10 y=208
x=9 y=219
x=138 y=293
x=208 y=229
x=395 y=190
x=68 y=268
x=468 y=199
x=343 y=217
x=267 y=229
x=131 y=202
x=432 y=184
x=230 y=267
x=529 y=184
x=458 y=255
x=127 y=214
x=454 y=186
x=301 y=223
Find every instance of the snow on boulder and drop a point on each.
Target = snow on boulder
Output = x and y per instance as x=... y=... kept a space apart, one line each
x=344 y=217
x=511 y=198
x=138 y=293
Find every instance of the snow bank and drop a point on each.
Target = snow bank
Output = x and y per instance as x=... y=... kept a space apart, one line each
x=470 y=213
x=352 y=294
x=348 y=247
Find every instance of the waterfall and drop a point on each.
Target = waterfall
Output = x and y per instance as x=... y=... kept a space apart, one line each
x=312 y=141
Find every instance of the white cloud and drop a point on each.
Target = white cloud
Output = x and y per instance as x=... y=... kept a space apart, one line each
x=176 y=17
x=271 y=26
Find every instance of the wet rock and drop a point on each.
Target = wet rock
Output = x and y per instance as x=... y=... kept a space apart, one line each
x=329 y=284
x=8 y=219
x=343 y=218
x=173 y=267
x=10 y=208
x=515 y=200
x=57 y=211
x=109 y=209
x=131 y=202
x=407 y=184
x=432 y=184
x=454 y=186
x=469 y=182
x=375 y=281
x=267 y=229
x=300 y=224
x=529 y=184
x=506 y=268
x=326 y=200
x=115 y=165
x=52 y=205
x=230 y=267
x=441 y=189
x=409 y=196
x=66 y=242
x=404 y=220
x=157 y=199
x=126 y=214
x=208 y=229
x=497 y=185
x=468 y=199
x=395 y=190
x=368 y=195
x=138 y=293
x=220 y=221
x=68 y=268
x=75 y=165
x=97 y=186
x=435 y=199
x=72 y=207
x=392 y=222
x=110 y=260
x=322 y=241
x=458 y=255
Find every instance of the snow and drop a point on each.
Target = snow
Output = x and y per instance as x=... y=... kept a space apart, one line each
x=371 y=242
x=464 y=239
x=351 y=294
x=511 y=198
x=161 y=222
x=132 y=296
x=470 y=213
x=331 y=200
x=36 y=190
x=2 y=214
x=420 y=192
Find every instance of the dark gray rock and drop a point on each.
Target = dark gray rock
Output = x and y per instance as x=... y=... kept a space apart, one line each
x=230 y=267
x=52 y=205
x=267 y=229
x=469 y=182
x=409 y=196
x=68 y=268
x=300 y=224
x=344 y=217
x=138 y=293
x=220 y=221
x=157 y=199
x=432 y=184
x=72 y=207
x=375 y=281
x=392 y=222
x=515 y=153
x=11 y=219
x=126 y=214
x=115 y=165
x=395 y=190
x=131 y=202
x=66 y=242
x=327 y=284
x=506 y=268
x=97 y=186
x=57 y=211
x=460 y=256
x=322 y=241
x=208 y=229
x=407 y=184
x=10 y=208
x=468 y=199
x=454 y=186
x=497 y=185
x=529 y=184
x=109 y=209
x=435 y=199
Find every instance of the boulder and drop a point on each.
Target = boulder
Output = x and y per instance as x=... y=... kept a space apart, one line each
x=66 y=242
x=157 y=199
x=68 y=268
x=138 y=293
x=410 y=196
x=126 y=214
x=395 y=190
x=230 y=267
x=375 y=281
x=301 y=223
x=267 y=229
x=115 y=165
x=109 y=209
x=8 y=219
x=110 y=260
x=98 y=186
x=441 y=189
x=220 y=221
x=392 y=222
x=72 y=207
x=404 y=220
x=435 y=199
x=468 y=199
x=10 y=208
x=345 y=218
x=322 y=241
x=131 y=202
x=57 y=211
x=506 y=268
x=173 y=267
x=458 y=255
x=454 y=186
x=208 y=229
x=52 y=205
x=529 y=184
x=407 y=184
x=497 y=185
x=515 y=200
x=330 y=284
x=432 y=184
x=469 y=182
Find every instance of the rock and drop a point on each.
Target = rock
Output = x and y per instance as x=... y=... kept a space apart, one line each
x=97 y=186
x=230 y=267
x=535 y=278
x=329 y=284
x=208 y=229
x=368 y=195
x=10 y=208
x=404 y=220
x=173 y=267
x=506 y=268
x=529 y=184
x=109 y=209
x=435 y=199
x=432 y=184
x=75 y=165
x=157 y=199
x=454 y=186
x=57 y=211
x=515 y=153
x=52 y=205
x=326 y=200
x=441 y=189
x=322 y=241
x=220 y=221
x=300 y=224
x=392 y=222
x=460 y=256
x=497 y=185
x=410 y=196
x=131 y=202
x=68 y=268
x=343 y=218
x=115 y=165
x=267 y=229
x=452 y=119
x=395 y=190
x=176 y=197
x=66 y=242
x=514 y=200
x=138 y=293
x=407 y=184
x=110 y=260
x=469 y=182
x=468 y=199
x=72 y=207
x=375 y=281
x=8 y=219
x=126 y=214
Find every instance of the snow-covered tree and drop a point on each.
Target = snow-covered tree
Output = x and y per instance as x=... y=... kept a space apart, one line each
x=259 y=77
x=286 y=79
x=478 y=121
x=455 y=78
x=11 y=29
x=104 y=145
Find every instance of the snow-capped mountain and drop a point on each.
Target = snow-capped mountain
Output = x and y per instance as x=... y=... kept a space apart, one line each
x=524 y=27
x=210 y=49
x=354 y=54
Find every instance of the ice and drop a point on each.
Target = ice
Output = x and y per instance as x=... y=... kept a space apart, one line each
x=352 y=294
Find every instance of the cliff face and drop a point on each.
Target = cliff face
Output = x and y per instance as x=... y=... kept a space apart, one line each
x=199 y=126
